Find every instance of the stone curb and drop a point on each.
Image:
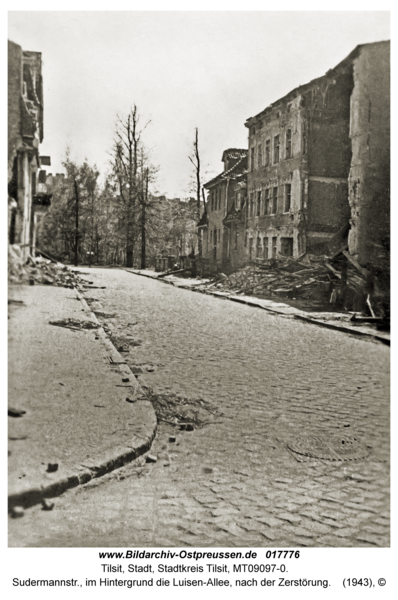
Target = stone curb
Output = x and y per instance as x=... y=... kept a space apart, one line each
x=344 y=329
x=275 y=312
x=108 y=461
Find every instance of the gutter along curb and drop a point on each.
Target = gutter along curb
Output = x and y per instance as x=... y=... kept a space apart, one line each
x=252 y=302
x=105 y=462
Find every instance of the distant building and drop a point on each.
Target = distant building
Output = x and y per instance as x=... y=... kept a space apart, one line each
x=226 y=194
x=26 y=194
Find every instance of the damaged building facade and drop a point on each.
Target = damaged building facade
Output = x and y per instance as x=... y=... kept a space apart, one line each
x=299 y=163
x=318 y=173
x=222 y=236
x=29 y=192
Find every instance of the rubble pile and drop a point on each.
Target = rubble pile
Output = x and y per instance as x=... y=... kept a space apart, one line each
x=39 y=270
x=315 y=280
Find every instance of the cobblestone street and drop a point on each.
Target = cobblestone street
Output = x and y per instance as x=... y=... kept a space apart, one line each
x=282 y=387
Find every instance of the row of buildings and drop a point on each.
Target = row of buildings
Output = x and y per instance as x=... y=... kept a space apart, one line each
x=29 y=187
x=315 y=174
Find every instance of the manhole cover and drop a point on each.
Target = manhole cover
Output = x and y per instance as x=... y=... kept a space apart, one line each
x=333 y=448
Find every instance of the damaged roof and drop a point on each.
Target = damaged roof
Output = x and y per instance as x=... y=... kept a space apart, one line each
x=302 y=88
x=234 y=153
x=239 y=169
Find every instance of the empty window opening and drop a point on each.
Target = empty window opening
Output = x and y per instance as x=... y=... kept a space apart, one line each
x=287 y=246
x=259 y=156
x=288 y=197
x=276 y=149
x=265 y=247
x=274 y=246
x=288 y=143
x=267 y=152
x=274 y=200
x=259 y=248
x=267 y=208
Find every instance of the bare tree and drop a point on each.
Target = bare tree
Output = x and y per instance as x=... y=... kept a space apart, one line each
x=125 y=169
x=194 y=157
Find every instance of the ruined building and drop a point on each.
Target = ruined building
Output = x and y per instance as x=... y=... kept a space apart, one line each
x=369 y=178
x=299 y=163
x=318 y=172
x=28 y=190
x=222 y=239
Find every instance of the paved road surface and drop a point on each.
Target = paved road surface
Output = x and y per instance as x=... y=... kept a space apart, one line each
x=278 y=383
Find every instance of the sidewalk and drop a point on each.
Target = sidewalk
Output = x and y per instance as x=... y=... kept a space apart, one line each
x=338 y=321
x=78 y=424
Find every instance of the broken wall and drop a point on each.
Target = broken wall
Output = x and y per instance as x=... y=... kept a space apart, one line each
x=369 y=179
x=14 y=99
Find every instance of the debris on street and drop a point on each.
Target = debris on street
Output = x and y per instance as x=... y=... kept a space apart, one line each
x=315 y=282
x=40 y=270
x=188 y=414
x=76 y=324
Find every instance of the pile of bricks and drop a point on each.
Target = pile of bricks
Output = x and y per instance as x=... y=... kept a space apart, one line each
x=39 y=270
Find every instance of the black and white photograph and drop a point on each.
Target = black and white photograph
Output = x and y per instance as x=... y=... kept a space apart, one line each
x=199 y=292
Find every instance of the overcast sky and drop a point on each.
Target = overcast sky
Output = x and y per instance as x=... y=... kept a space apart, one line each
x=210 y=70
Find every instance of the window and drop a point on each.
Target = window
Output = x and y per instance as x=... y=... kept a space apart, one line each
x=33 y=183
x=267 y=152
x=259 y=249
x=274 y=246
x=237 y=201
x=289 y=143
x=287 y=246
x=219 y=234
x=267 y=208
x=259 y=156
x=288 y=197
x=251 y=248
x=266 y=247
x=211 y=236
x=258 y=203
x=251 y=159
x=212 y=201
x=251 y=213
x=219 y=199
x=274 y=200
x=276 y=149
x=253 y=130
